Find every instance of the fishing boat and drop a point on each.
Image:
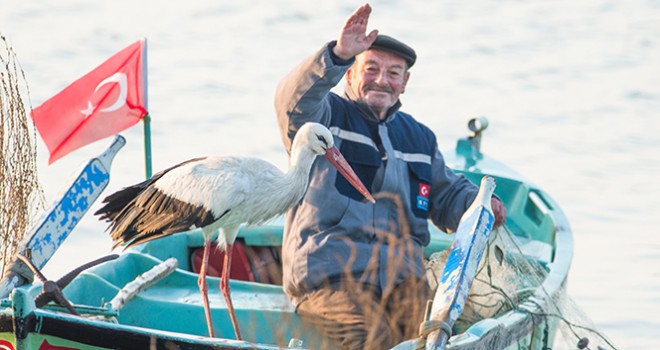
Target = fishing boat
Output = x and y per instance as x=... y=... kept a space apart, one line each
x=147 y=297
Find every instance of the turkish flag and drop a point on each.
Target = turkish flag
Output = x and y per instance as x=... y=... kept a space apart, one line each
x=102 y=103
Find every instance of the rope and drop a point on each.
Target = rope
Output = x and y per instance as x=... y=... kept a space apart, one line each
x=429 y=326
x=20 y=268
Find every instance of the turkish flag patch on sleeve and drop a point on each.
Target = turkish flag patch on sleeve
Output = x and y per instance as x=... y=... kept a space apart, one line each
x=423 y=197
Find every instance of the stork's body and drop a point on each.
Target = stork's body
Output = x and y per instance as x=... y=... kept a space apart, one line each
x=219 y=192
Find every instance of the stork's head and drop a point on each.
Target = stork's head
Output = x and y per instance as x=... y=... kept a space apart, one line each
x=319 y=139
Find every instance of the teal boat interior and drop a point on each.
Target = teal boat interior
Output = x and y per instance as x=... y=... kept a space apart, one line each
x=265 y=316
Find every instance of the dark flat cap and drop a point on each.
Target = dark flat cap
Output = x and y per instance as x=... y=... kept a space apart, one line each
x=389 y=44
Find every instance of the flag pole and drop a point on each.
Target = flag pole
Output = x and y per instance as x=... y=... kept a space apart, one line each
x=147 y=118
x=147 y=144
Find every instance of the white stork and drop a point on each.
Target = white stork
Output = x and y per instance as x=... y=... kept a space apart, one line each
x=219 y=192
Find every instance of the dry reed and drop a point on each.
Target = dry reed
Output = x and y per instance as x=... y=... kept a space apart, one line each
x=21 y=195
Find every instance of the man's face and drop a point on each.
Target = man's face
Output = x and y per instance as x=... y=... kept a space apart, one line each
x=378 y=78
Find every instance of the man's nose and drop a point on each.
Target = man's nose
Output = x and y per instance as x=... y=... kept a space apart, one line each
x=381 y=78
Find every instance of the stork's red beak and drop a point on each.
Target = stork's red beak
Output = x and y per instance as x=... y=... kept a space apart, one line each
x=338 y=161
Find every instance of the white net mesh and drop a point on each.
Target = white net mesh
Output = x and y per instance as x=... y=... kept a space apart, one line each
x=508 y=275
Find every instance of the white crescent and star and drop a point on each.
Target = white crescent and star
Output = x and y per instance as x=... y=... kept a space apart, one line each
x=424 y=191
x=122 y=81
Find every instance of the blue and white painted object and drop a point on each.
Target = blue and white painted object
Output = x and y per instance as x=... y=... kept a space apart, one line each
x=465 y=253
x=55 y=225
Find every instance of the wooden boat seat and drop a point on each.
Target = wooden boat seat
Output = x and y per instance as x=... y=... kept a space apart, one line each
x=249 y=263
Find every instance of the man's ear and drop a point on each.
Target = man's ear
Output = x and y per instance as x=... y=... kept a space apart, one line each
x=405 y=81
x=349 y=76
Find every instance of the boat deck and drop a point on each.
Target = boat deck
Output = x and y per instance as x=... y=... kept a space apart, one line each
x=175 y=303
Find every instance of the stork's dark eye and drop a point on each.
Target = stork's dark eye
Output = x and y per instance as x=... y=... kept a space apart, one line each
x=322 y=139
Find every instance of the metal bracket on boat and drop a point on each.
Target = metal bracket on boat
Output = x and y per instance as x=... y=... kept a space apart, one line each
x=52 y=290
x=470 y=147
x=477 y=126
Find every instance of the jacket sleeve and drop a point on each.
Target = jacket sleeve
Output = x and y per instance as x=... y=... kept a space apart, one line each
x=302 y=95
x=451 y=195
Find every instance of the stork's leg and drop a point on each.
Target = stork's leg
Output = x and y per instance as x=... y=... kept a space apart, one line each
x=224 y=287
x=204 y=287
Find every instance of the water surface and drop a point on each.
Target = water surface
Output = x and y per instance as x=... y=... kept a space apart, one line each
x=570 y=88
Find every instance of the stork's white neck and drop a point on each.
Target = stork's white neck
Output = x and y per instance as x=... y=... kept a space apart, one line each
x=300 y=165
x=301 y=158
x=285 y=191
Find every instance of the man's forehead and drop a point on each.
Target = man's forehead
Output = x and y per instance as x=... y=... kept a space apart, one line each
x=381 y=57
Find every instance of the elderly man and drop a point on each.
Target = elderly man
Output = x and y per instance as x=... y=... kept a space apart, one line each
x=353 y=268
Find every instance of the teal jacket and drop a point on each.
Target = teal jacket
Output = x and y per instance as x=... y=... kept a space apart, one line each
x=333 y=229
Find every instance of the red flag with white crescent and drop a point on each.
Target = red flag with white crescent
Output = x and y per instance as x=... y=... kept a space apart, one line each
x=102 y=103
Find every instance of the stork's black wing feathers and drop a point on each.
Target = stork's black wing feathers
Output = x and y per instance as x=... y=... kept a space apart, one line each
x=141 y=212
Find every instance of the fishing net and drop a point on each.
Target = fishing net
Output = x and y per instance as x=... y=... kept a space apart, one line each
x=21 y=195
x=510 y=277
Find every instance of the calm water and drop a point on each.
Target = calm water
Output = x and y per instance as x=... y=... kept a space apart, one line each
x=571 y=88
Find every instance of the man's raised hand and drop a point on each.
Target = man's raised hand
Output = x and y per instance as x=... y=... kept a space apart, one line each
x=353 y=39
